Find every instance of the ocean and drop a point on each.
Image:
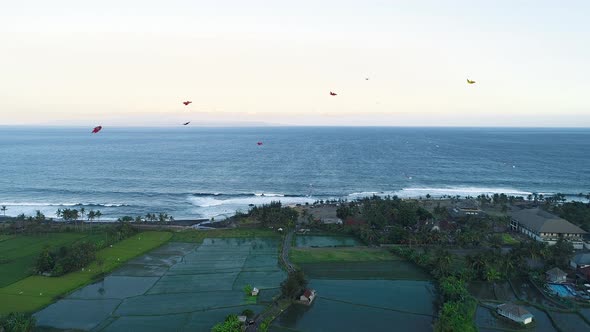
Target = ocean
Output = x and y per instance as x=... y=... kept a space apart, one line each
x=200 y=172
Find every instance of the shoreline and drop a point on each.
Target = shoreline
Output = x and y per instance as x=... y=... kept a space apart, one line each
x=287 y=200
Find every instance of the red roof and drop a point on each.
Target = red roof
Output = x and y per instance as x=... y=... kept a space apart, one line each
x=307 y=293
x=585 y=271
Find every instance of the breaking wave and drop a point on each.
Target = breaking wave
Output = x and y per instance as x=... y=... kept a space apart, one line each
x=62 y=204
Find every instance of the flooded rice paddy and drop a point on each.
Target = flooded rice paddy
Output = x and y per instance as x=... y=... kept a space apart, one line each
x=524 y=294
x=177 y=287
x=363 y=296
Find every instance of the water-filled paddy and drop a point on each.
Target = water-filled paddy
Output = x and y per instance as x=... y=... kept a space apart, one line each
x=363 y=305
x=360 y=296
x=326 y=241
x=486 y=321
x=569 y=322
x=180 y=286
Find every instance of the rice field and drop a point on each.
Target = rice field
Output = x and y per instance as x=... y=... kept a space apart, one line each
x=34 y=292
x=180 y=286
x=355 y=254
x=19 y=253
x=320 y=241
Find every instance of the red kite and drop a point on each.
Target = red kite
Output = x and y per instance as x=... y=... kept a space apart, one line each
x=332 y=94
x=470 y=81
x=259 y=143
x=186 y=123
x=186 y=102
x=96 y=129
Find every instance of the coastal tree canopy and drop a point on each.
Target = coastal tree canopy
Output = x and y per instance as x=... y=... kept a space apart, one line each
x=273 y=214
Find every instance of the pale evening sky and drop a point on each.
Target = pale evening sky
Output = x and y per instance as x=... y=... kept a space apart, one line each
x=275 y=62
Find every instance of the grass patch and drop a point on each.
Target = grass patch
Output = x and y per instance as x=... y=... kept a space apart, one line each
x=4 y=237
x=508 y=239
x=33 y=293
x=356 y=254
x=19 y=253
x=197 y=236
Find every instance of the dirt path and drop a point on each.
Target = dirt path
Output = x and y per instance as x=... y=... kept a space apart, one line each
x=275 y=309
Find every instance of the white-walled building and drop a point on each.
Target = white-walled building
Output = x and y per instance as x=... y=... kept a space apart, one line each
x=546 y=227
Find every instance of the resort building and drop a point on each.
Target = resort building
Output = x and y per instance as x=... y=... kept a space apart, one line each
x=580 y=260
x=546 y=227
x=515 y=313
x=466 y=208
x=255 y=291
x=556 y=275
x=308 y=296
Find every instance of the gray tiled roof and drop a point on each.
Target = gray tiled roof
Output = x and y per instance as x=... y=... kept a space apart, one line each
x=582 y=258
x=556 y=272
x=544 y=222
x=514 y=309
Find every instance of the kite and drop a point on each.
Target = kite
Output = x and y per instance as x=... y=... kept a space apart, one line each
x=332 y=93
x=470 y=81
x=258 y=143
x=96 y=129
x=186 y=102
x=186 y=123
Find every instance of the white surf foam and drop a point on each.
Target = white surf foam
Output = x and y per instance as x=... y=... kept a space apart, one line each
x=217 y=207
x=413 y=192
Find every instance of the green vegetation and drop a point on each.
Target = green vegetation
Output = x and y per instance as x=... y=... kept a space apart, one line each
x=17 y=322
x=341 y=254
x=575 y=212
x=19 y=253
x=458 y=307
x=508 y=239
x=294 y=285
x=380 y=212
x=272 y=214
x=457 y=316
x=34 y=292
x=197 y=236
x=231 y=324
x=66 y=259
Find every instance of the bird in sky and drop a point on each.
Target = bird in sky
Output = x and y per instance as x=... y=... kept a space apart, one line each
x=470 y=81
x=259 y=143
x=186 y=102
x=186 y=123
x=332 y=94
x=96 y=129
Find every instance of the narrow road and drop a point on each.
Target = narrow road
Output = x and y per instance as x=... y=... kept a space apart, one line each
x=275 y=309
x=286 y=247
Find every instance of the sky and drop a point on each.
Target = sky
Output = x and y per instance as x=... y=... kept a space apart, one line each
x=132 y=63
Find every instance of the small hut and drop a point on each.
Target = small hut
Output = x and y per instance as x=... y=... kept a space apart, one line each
x=308 y=296
x=515 y=313
x=556 y=275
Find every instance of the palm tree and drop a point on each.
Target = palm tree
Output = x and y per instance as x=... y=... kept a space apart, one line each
x=3 y=209
x=492 y=274
x=58 y=213
x=91 y=215
x=82 y=212
x=98 y=214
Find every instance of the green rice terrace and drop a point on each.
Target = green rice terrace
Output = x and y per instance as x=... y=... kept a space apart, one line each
x=181 y=286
